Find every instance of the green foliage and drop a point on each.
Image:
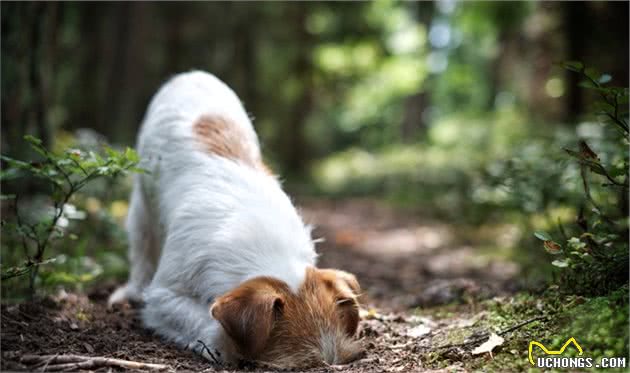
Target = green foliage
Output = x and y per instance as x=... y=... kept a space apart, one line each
x=448 y=176
x=599 y=324
x=63 y=175
x=594 y=258
x=522 y=177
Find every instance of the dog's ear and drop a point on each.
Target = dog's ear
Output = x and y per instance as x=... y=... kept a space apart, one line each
x=349 y=290
x=248 y=314
x=350 y=281
x=346 y=291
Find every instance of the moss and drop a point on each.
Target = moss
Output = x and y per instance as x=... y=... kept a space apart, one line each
x=600 y=325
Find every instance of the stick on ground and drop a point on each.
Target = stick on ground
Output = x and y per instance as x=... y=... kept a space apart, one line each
x=77 y=362
x=486 y=335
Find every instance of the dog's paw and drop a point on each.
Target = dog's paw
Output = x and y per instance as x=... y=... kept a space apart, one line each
x=200 y=348
x=124 y=294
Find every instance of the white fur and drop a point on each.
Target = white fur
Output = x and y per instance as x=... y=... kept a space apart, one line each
x=199 y=225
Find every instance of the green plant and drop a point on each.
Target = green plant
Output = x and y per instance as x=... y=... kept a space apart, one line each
x=63 y=176
x=593 y=259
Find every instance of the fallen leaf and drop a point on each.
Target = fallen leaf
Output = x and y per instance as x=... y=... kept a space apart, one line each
x=414 y=319
x=492 y=342
x=419 y=331
x=369 y=314
x=467 y=323
x=88 y=347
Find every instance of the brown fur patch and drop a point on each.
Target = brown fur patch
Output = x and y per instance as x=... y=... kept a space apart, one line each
x=223 y=137
x=290 y=330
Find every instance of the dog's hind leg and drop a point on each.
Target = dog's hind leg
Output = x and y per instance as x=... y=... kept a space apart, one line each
x=144 y=247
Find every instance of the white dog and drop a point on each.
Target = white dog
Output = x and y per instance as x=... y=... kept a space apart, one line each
x=218 y=252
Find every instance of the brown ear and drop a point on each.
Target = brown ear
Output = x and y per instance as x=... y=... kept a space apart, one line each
x=347 y=290
x=351 y=281
x=349 y=307
x=248 y=313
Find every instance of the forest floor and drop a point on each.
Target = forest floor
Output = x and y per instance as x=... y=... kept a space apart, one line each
x=424 y=289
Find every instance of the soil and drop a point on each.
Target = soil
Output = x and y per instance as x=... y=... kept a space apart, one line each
x=403 y=263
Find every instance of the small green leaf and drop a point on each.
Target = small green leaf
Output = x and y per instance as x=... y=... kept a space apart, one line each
x=618 y=171
x=110 y=152
x=131 y=155
x=587 y=258
x=576 y=66
x=96 y=157
x=10 y=174
x=543 y=236
x=592 y=73
x=561 y=263
x=16 y=163
x=588 y=84
x=604 y=78
x=33 y=140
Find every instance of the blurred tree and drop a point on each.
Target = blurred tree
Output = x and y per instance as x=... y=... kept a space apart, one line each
x=318 y=77
x=590 y=30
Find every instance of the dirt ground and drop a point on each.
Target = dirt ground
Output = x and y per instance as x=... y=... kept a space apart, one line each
x=401 y=261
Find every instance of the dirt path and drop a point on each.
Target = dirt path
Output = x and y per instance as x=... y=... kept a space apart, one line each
x=401 y=262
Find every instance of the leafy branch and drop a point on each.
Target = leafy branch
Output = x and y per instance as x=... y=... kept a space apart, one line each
x=594 y=258
x=614 y=102
x=65 y=174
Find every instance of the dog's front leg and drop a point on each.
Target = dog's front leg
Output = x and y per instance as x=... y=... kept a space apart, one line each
x=185 y=321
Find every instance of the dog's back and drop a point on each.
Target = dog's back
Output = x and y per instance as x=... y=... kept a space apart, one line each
x=181 y=102
x=207 y=196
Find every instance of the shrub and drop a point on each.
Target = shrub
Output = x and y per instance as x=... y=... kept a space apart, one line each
x=63 y=175
x=593 y=256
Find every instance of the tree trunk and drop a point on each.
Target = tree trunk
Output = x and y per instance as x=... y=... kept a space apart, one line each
x=295 y=145
x=38 y=95
x=575 y=22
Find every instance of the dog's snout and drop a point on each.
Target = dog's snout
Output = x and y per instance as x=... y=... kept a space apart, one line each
x=337 y=348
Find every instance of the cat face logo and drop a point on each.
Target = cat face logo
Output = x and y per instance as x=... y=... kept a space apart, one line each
x=553 y=352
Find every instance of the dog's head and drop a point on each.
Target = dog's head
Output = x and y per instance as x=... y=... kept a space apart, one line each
x=268 y=322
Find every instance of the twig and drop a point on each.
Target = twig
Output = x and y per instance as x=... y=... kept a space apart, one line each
x=563 y=233
x=48 y=362
x=208 y=351
x=485 y=335
x=587 y=192
x=14 y=322
x=79 y=166
x=76 y=362
x=518 y=326
x=615 y=104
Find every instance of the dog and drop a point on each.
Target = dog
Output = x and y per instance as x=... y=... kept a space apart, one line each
x=220 y=257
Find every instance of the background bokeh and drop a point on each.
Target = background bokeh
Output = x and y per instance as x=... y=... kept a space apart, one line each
x=318 y=78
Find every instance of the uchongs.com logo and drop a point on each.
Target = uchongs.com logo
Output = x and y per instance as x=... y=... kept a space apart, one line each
x=553 y=358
